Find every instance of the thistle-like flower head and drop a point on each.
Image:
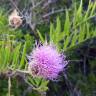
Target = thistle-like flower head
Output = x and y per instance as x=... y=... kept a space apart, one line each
x=45 y=61
x=15 y=20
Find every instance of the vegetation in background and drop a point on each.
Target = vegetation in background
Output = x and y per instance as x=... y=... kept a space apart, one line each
x=73 y=31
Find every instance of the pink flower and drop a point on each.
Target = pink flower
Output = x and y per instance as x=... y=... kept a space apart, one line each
x=45 y=61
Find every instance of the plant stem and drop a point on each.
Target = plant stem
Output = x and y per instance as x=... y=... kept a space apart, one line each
x=9 y=86
x=42 y=93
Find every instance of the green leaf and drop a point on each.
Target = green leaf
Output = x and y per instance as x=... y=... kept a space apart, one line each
x=22 y=61
x=41 y=37
x=67 y=24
